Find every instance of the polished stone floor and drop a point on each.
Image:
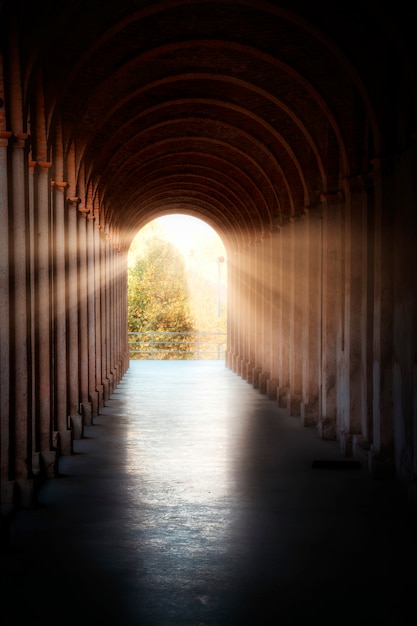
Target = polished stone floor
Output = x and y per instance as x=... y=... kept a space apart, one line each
x=192 y=501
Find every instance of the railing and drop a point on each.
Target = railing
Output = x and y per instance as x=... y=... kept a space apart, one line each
x=161 y=345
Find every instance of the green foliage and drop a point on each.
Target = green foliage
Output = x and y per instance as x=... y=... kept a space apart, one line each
x=158 y=296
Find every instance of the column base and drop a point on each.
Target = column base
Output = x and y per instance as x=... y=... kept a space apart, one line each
x=65 y=438
x=294 y=404
x=271 y=388
x=256 y=371
x=94 y=400
x=48 y=464
x=36 y=463
x=100 y=392
x=282 y=397
x=87 y=413
x=326 y=429
x=309 y=413
x=361 y=450
x=263 y=381
x=77 y=427
x=106 y=390
x=241 y=368
x=346 y=443
x=247 y=372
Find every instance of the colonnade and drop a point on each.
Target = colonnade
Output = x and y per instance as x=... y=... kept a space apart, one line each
x=63 y=340
x=308 y=321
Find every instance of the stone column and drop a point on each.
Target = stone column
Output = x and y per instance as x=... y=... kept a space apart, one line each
x=351 y=391
x=383 y=435
x=230 y=357
x=310 y=408
x=286 y=312
x=111 y=317
x=108 y=317
x=91 y=316
x=256 y=308
x=103 y=312
x=237 y=321
x=97 y=310
x=273 y=382
x=244 y=315
x=21 y=423
x=43 y=319
x=86 y=405
x=62 y=425
x=6 y=493
x=73 y=354
x=124 y=341
x=298 y=306
x=332 y=316
x=250 y=315
x=265 y=272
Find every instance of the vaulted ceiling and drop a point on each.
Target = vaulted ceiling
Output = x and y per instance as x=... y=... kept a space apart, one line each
x=240 y=112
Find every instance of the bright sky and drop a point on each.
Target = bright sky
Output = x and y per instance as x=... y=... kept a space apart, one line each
x=185 y=231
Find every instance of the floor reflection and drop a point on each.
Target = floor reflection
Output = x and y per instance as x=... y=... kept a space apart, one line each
x=192 y=501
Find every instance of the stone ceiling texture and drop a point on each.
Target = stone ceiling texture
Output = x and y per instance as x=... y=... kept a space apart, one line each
x=243 y=113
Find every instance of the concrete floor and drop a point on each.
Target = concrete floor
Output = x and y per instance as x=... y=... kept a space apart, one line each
x=192 y=501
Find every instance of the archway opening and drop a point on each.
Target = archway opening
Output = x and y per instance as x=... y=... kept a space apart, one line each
x=177 y=291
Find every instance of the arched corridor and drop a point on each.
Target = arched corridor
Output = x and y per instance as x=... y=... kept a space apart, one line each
x=290 y=128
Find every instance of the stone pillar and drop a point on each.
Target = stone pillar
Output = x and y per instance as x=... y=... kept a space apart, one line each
x=310 y=408
x=7 y=486
x=112 y=328
x=273 y=381
x=103 y=312
x=257 y=311
x=32 y=303
x=60 y=319
x=298 y=316
x=43 y=319
x=91 y=316
x=73 y=354
x=353 y=374
x=236 y=320
x=332 y=317
x=108 y=327
x=230 y=357
x=285 y=312
x=250 y=313
x=265 y=276
x=21 y=440
x=97 y=310
x=383 y=436
x=244 y=312
x=86 y=405
x=124 y=340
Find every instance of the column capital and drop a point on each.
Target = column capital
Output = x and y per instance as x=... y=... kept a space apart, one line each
x=73 y=201
x=44 y=165
x=61 y=186
x=4 y=138
x=20 y=139
x=83 y=209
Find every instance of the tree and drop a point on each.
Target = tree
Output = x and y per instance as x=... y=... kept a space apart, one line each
x=158 y=297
